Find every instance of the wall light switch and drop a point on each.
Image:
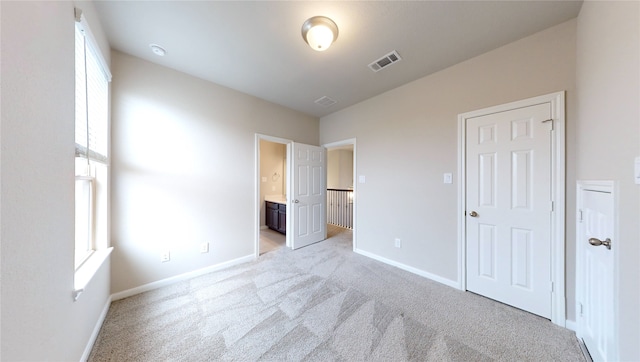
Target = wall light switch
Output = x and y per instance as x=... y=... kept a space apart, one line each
x=264 y=179
x=165 y=256
x=448 y=178
x=361 y=179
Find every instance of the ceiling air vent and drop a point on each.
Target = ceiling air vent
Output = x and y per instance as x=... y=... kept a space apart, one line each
x=385 y=61
x=325 y=101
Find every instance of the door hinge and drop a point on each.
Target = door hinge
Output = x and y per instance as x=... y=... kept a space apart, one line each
x=552 y=206
x=551 y=286
x=550 y=120
x=579 y=215
x=580 y=309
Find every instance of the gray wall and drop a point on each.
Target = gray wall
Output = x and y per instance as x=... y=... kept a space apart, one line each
x=404 y=160
x=608 y=137
x=184 y=163
x=184 y=169
x=40 y=320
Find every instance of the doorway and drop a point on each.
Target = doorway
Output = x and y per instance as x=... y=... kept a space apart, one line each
x=272 y=182
x=341 y=189
x=296 y=185
x=511 y=209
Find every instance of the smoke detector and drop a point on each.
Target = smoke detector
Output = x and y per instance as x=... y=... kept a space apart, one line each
x=157 y=50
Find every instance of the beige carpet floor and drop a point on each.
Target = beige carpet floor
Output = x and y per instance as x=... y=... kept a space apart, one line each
x=323 y=303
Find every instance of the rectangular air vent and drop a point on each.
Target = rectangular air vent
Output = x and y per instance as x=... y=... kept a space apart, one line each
x=325 y=101
x=385 y=61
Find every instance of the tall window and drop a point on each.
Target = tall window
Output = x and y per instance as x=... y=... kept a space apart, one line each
x=91 y=143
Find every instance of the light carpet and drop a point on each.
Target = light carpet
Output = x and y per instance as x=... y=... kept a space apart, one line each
x=323 y=303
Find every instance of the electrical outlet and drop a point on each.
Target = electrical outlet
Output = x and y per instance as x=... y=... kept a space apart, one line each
x=204 y=248
x=165 y=256
x=397 y=243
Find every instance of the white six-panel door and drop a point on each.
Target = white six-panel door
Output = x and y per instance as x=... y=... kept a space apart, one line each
x=595 y=269
x=508 y=207
x=308 y=195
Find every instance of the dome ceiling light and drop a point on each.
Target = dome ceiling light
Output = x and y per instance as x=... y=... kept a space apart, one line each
x=319 y=32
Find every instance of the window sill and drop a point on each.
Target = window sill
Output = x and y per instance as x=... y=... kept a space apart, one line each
x=89 y=268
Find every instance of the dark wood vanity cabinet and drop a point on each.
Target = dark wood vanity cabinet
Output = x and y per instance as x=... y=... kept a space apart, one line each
x=282 y=218
x=276 y=216
x=272 y=215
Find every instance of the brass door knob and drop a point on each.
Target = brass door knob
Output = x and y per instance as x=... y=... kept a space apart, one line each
x=473 y=214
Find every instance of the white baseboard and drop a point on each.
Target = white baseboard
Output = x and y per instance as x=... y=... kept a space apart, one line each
x=179 y=278
x=96 y=331
x=422 y=273
x=571 y=325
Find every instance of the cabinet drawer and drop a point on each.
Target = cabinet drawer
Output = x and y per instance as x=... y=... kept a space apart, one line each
x=272 y=205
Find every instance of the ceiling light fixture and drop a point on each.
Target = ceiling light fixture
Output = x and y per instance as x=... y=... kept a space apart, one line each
x=157 y=50
x=319 y=32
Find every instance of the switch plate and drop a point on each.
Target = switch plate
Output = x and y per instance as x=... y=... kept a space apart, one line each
x=361 y=179
x=204 y=248
x=448 y=178
x=264 y=179
x=397 y=243
x=165 y=256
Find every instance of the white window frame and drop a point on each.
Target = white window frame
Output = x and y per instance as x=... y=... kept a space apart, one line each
x=91 y=162
x=89 y=243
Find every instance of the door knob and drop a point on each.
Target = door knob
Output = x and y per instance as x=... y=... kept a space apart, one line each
x=473 y=214
x=598 y=242
x=296 y=201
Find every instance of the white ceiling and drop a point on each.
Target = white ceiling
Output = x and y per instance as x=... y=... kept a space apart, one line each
x=257 y=47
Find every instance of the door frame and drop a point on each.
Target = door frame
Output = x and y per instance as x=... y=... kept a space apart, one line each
x=557 y=102
x=257 y=202
x=350 y=142
x=609 y=187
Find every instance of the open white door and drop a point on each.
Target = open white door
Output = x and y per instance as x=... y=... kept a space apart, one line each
x=596 y=246
x=307 y=200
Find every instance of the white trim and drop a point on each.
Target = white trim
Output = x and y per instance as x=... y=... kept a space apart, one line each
x=347 y=142
x=410 y=269
x=179 y=278
x=96 y=331
x=558 y=302
x=571 y=325
x=256 y=186
x=82 y=277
